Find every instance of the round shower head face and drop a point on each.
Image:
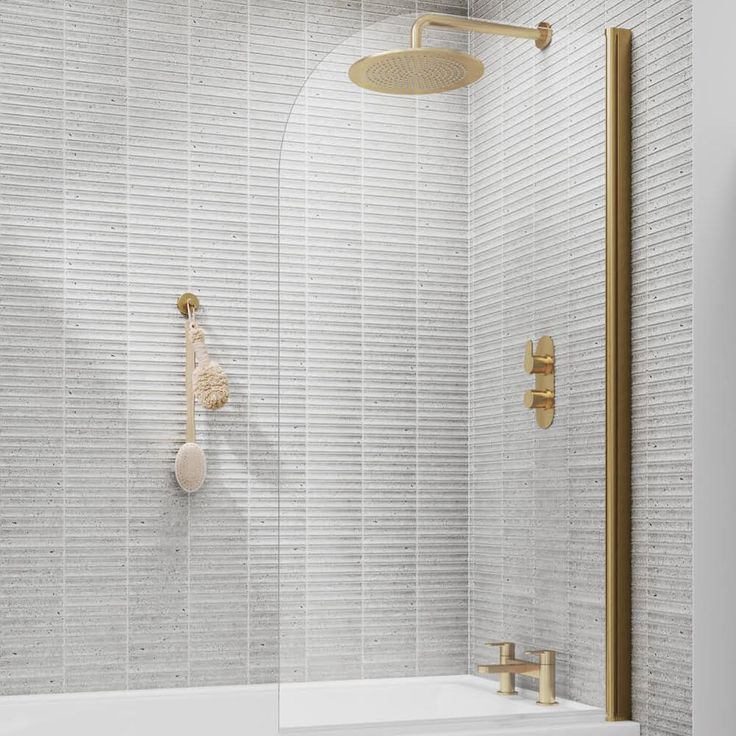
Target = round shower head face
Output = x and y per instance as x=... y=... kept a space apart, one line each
x=419 y=71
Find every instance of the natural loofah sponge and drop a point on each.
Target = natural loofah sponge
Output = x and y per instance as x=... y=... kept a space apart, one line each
x=211 y=386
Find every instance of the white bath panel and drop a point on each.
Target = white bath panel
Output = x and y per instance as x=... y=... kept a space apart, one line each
x=461 y=705
x=416 y=706
x=225 y=711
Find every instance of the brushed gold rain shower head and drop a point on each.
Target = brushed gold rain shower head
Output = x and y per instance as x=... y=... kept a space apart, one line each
x=419 y=70
x=416 y=71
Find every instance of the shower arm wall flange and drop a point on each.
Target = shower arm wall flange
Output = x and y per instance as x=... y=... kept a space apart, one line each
x=541 y=35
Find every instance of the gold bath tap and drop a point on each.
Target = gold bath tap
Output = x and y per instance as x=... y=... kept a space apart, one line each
x=509 y=667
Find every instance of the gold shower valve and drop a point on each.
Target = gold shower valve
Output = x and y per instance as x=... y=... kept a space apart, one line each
x=534 y=363
x=534 y=399
x=541 y=364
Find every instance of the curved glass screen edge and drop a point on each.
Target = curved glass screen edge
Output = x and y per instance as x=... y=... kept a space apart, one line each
x=389 y=218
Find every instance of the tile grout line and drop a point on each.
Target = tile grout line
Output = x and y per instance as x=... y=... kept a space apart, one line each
x=362 y=356
x=64 y=623
x=306 y=339
x=470 y=275
x=189 y=284
x=648 y=556
x=249 y=511
x=470 y=266
x=568 y=307
x=417 y=112
x=127 y=344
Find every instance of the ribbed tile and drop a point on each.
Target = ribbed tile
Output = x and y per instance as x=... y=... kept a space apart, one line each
x=141 y=156
x=537 y=498
x=374 y=355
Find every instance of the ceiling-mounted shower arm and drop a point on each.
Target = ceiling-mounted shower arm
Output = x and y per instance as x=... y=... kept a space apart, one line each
x=541 y=35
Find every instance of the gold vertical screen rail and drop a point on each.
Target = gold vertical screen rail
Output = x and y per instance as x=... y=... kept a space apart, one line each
x=618 y=374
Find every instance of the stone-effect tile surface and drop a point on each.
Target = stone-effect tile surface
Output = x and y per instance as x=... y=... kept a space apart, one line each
x=139 y=158
x=374 y=372
x=536 y=233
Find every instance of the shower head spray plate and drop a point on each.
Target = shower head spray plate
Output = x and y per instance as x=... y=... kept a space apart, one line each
x=417 y=71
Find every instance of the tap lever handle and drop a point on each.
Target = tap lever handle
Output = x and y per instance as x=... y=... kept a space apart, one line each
x=546 y=656
x=535 y=399
x=507 y=649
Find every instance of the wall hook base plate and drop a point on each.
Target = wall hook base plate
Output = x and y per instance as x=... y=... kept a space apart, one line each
x=187 y=298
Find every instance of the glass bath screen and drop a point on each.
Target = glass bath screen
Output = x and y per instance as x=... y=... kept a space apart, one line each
x=423 y=241
x=374 y=376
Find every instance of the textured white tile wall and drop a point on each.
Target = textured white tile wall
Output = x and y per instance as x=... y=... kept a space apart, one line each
x=139 y=148
x=536 y=233
x=139 y=154
x=374 y=374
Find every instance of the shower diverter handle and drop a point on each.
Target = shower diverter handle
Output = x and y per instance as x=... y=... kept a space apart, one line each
x=535 y=363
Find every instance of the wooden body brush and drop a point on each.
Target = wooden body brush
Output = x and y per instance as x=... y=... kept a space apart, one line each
x=190 y=466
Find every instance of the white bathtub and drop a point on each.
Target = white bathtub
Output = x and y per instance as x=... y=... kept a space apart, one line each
x=461 y=705
x=219 y=711
x=436 y=706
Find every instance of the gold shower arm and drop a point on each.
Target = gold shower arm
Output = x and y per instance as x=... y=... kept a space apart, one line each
x=541 y=35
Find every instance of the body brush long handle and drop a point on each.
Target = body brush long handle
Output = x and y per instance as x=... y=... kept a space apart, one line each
x=190 y=467
x=191 y=434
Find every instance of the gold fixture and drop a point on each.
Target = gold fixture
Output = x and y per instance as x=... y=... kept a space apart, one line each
x=542 y=365
x=419 y=70
x=534 y=399
x=618 y=374
x=416 y=71
x=509 y=667
x=541 y=35
x=507 y=680
x=187 y=299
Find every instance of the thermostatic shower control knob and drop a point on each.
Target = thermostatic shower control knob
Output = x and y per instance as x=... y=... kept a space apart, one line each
x=534 y=399
x=533 y=363
x=541 y=364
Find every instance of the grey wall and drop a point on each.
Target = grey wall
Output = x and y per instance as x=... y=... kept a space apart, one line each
x=374 y=375
x=139 y=158
x=139 y=149
x=536 y=267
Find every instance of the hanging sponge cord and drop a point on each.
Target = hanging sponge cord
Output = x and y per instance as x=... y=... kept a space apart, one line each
x=211 y=386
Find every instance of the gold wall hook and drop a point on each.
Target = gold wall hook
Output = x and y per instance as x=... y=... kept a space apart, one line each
x=541 y=364
x=187 y=299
